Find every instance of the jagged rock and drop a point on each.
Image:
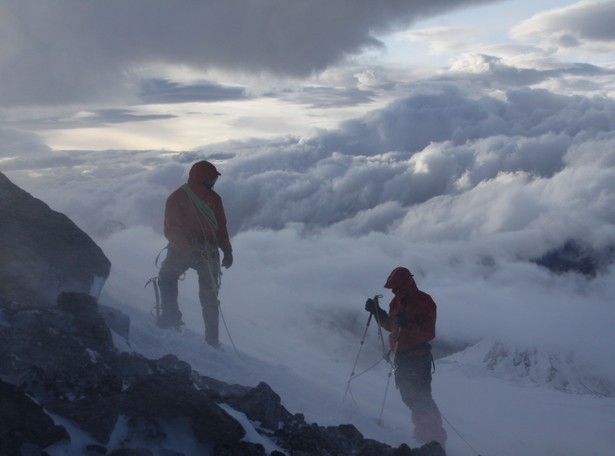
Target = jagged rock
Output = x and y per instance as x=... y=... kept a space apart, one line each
x=43 y=252
x=94 y=331
x=172 y=395
x=117 y=320
x=243 y=449
x=221 y=390
x=95 y=415
x=577 y=256
x=311 y=440
x=95 y=450
x=57 y=354
x=131 y=452
x=430 y=449
x=171 y=363
x=262 y=404
x=24 y=423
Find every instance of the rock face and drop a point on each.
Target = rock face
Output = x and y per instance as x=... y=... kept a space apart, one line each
x=42 y=252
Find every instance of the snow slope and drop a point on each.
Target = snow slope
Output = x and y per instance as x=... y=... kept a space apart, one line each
x=303 y=343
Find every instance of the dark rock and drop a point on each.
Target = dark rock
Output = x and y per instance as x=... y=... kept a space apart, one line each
x=95 y=450
x=431 y=449
x=262 y=404
x=92 y=327
x=132 y=367
x=171 y=363
x=55 y=355
x=171 y=395
x=117 y=320
x=242 y=449
x=404 y=450
x=24 y=422
x=312 y=440
x=220 y=390
x=577 y=256
x=43 y=252
x=95 y=415
x=131 y=452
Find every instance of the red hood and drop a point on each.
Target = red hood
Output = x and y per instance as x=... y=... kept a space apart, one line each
x=400 y=280
x=202 y=170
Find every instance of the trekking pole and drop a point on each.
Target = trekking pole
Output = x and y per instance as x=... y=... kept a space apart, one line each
x=352 y=374
x=385 y=354
x=369 y=319
x=391 y=372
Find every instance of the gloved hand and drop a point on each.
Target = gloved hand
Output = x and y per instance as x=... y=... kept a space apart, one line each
x=371 y=306
x=227 y=261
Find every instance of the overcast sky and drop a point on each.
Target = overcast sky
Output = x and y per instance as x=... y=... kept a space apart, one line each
x=143 y=74
x=459 y=138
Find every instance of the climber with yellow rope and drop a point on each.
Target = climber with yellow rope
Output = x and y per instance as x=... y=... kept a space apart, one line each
x=195 y=226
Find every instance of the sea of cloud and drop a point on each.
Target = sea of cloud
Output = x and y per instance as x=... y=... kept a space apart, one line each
x=317 y=223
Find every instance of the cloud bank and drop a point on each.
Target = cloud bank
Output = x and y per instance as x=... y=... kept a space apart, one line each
x=572 y=26
x=437 y=165
x=48 y=59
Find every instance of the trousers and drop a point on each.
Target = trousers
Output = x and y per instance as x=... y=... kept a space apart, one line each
x=174 y=265
x=413 y=379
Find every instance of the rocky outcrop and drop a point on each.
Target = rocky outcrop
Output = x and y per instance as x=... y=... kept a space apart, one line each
x=578 y=256
x=60 y=361
x=42 y=252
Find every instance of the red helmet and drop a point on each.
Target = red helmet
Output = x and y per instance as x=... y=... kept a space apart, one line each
x=400 y=279
x=202 y=170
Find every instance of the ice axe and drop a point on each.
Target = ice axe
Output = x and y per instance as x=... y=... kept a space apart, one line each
x=157 y=309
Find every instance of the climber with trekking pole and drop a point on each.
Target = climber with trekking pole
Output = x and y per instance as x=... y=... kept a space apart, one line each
x=195 y=226
x=411 y=322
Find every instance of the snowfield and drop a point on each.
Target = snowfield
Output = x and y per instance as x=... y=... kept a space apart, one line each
x=496 y=398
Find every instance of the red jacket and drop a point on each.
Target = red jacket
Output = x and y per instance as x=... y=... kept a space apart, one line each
x=185 y=226
x=419 y=310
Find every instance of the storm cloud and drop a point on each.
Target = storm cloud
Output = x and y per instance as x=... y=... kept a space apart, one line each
x=589 y=20
x=75 y=51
